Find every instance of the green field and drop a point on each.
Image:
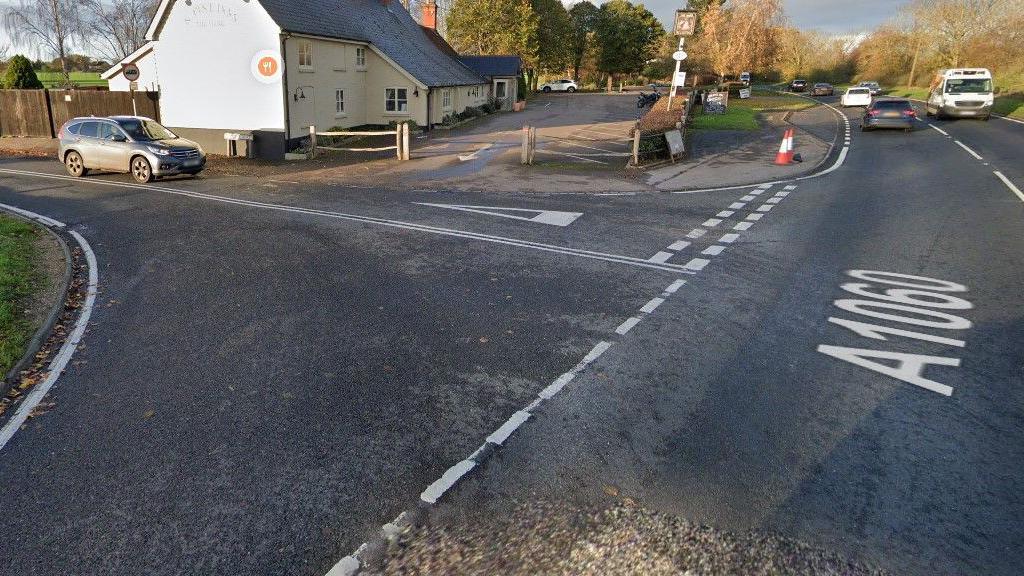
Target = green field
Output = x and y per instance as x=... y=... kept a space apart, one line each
x=53 y=79
x=19 y=280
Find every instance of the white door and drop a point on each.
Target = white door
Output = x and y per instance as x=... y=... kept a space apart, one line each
x=501 y=94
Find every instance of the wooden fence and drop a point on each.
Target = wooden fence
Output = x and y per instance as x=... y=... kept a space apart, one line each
x=401 y=147
x=41 y=113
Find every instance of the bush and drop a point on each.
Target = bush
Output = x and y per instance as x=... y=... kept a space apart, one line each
x=20 y=74
x=522 y=89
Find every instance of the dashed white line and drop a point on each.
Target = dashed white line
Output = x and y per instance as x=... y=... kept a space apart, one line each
x=652 y=305
x=939 y=130
x=1010 y=185
x=743 y=226
x=446 y=481
x=773 y=200
x=782 y=194
x=711 y=223
x=627 y=326
x=729 y=238
x=679 y=245
x=713 y=250
x=748 y=197
x=675 y=286
x=755 y=217
x=514 y=422
x=696 y=233
x=697 y=264
x=725 y=213
x=661 y=257
x=791 y=187
x=968 y=149
x=765 y=208
x=738 y=205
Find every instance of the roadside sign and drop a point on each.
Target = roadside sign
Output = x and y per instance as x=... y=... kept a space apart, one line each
x=133 y=86
x=266 y=66
x=675 y=142
x=679 y=56
x=131 y=72
x=686 y=22
x=679 y=79
x=744 y=93
x=716 y=102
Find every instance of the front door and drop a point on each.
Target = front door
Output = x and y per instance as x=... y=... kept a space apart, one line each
x=501 y=94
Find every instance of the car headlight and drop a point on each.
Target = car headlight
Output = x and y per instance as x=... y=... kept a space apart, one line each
x=159 y=151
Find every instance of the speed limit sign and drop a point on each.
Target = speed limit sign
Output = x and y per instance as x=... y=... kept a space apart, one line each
x=130 y=72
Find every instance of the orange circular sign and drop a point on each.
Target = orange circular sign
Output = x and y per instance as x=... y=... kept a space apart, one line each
x=267 y=66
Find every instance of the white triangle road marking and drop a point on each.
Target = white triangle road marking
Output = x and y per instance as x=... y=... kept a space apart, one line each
x=552 y=217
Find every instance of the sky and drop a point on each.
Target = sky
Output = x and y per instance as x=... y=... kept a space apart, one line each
x=829 y=16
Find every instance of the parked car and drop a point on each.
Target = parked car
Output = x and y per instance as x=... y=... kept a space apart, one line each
x=872 y=86
x=559 y=86
x=961 y=92
x=856 y=96
x=133 y=144
x=745 y=78
x=823 y=89
x=798 y=86
x=889 y=113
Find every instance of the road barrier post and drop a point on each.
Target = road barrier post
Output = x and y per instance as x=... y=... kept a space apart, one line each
x=312 y=141
x=533 y=143
x=406 y=154
x=524 y=155
x=636 y=145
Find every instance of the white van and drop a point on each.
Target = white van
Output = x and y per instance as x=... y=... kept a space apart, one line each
x=856 y=96
x=961 y=92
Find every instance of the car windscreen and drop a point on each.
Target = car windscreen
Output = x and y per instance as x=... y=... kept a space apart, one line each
x=892 y=105
x=145 y=130
x=968 y=85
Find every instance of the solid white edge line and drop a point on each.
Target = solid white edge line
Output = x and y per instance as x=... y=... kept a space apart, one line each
x=968 y=149
x=33 y=216
x=446 y=481
x=1008 y=119
x=1009 y=185
x=619 y=259
x=60 y=362
x=628 y=325
x=652 y=305
x=514 y=421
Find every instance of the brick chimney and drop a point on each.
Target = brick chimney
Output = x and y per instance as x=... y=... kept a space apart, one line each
x=429 y=14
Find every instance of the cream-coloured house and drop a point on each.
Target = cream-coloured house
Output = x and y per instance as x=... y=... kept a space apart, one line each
x=275 y=67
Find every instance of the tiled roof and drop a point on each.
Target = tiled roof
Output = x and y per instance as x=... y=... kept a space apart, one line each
x=385 y=24
x=494 y=65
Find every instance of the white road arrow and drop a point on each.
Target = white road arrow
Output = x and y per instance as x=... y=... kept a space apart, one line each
x=552 y=217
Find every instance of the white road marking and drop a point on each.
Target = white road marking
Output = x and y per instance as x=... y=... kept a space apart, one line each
x=968 y=149
x=725 y=213
x=773 y=200
x=910 y=367
x=552 y=217
x=1014 y=120
x=446 y=481
x=45 y=220
x=766 y=185
x=578 y=157
x=748 y=197
x=561 y=381
x=743 y=226
x=677 y=246
x=652 y=305
x=711 y=223
x=696 y=233
x=661 y=257
x=738 y=205
x=729 y=238
x=627 y=326
x=60 y=362
x=697 y=264
x=790 y=188
x=755 y=217
x=675 y=286
x=782 y=194
x=467 y=157
x=1010 y=185
x=511 y=425
x=939 y=130
x=757 y=192
x=628 y=260
x=765 y=208
x=713 y=250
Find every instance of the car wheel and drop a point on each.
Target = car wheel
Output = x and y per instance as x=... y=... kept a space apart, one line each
x=75 y=166
x=546 y=89
x=570 y=89
x=142 y=172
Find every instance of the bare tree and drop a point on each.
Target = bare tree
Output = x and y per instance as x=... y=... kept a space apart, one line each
x=119 y=26
x=742 y=36
x=54 y=24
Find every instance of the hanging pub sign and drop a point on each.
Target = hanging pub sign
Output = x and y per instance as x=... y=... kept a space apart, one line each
x=686 y=23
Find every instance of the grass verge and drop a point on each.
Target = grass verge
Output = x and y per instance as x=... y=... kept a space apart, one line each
x=736 y=117
x=84 y=79
x=19 y=281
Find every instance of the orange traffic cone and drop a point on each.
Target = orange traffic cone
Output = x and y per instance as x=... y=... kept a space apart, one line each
x=789 y=145
x=783 y=158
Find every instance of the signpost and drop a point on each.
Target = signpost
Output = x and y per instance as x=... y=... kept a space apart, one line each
x=131 y=74
x=685 y=25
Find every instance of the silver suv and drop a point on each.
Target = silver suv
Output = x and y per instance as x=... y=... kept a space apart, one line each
x=132 y=144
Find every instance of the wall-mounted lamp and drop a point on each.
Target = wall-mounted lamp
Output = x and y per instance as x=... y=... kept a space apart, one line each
x=416 y=92
x=299 y=94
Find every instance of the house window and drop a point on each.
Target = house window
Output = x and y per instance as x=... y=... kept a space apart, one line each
x=446 y=99
x=396 y=100
x=360 y=57
x=339 y=102
x=305 y=54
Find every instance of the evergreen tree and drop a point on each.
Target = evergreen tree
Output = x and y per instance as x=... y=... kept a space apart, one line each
x=20 y=75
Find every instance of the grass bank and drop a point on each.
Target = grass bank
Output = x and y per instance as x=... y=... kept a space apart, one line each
x=83 y=79
x=20 y=279
x=741 y=114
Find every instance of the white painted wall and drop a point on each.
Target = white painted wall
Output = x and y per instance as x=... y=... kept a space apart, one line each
x=149 y=78
x=204 y=58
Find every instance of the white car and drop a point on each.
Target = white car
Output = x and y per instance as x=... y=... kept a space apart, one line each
x=857 y=96
x=559 y=86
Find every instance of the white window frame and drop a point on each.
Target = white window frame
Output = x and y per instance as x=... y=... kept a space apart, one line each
x=397 y=100
x=360 y=58
x=339 y=103
x=305 y=56
x=446 y=99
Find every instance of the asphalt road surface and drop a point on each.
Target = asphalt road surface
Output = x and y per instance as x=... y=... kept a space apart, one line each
x=274 y=371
